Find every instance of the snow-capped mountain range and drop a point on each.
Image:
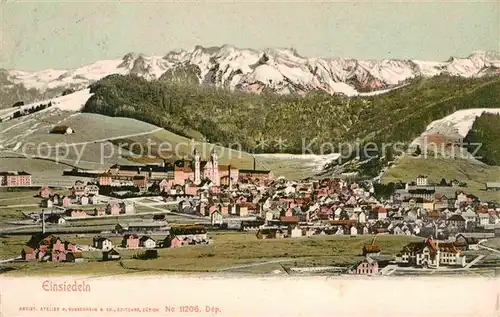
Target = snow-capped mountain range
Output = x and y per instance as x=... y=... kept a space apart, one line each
x=279 y=70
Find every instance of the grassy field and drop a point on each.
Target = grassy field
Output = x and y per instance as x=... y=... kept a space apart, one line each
x=228 y=250
x=475 y=175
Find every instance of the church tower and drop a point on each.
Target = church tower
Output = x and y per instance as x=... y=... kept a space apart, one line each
x=215 y=168
x=197 y=169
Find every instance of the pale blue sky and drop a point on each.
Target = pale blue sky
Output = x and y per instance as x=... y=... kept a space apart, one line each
x=38 y=35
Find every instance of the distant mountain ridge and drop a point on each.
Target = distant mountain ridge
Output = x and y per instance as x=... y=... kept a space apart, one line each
x=281 y=71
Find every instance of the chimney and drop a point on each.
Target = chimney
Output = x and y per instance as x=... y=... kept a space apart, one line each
x=254 y=163
x=43 y=221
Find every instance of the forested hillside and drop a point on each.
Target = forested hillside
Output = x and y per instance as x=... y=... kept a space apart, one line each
x=258 y=122
x=484 y=137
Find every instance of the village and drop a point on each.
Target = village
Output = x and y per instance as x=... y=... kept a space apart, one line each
x=144 y=209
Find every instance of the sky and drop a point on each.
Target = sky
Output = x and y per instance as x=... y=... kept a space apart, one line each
x=66 y=34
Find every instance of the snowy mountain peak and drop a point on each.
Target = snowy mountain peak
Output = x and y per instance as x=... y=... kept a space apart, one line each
x=282 y=70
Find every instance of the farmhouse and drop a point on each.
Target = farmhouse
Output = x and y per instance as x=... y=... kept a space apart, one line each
x=146 y=226
x=430 y=253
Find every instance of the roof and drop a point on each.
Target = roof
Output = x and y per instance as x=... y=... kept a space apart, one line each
x=493 y=184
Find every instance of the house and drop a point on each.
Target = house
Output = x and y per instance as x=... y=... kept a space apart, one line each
x=102 y=243
x=111 y=255
x=75 y=213
x=494 y=186
x=147 y=242
x=78 y=189
x=113 y=208
x=456 y=221
x=295 y=232
x=368 y=266
x=45 y=192
x=141 y=226
x=62 y=129
x=430 y=253
x=13 y=179
x=65 y=202
x=47 y=203
x=47 y=247
x=464 y=242
x=91 y=190
x=270 y=233
x=371 y=250
x=104 y=179
x=130 y=241
x=290 y=220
